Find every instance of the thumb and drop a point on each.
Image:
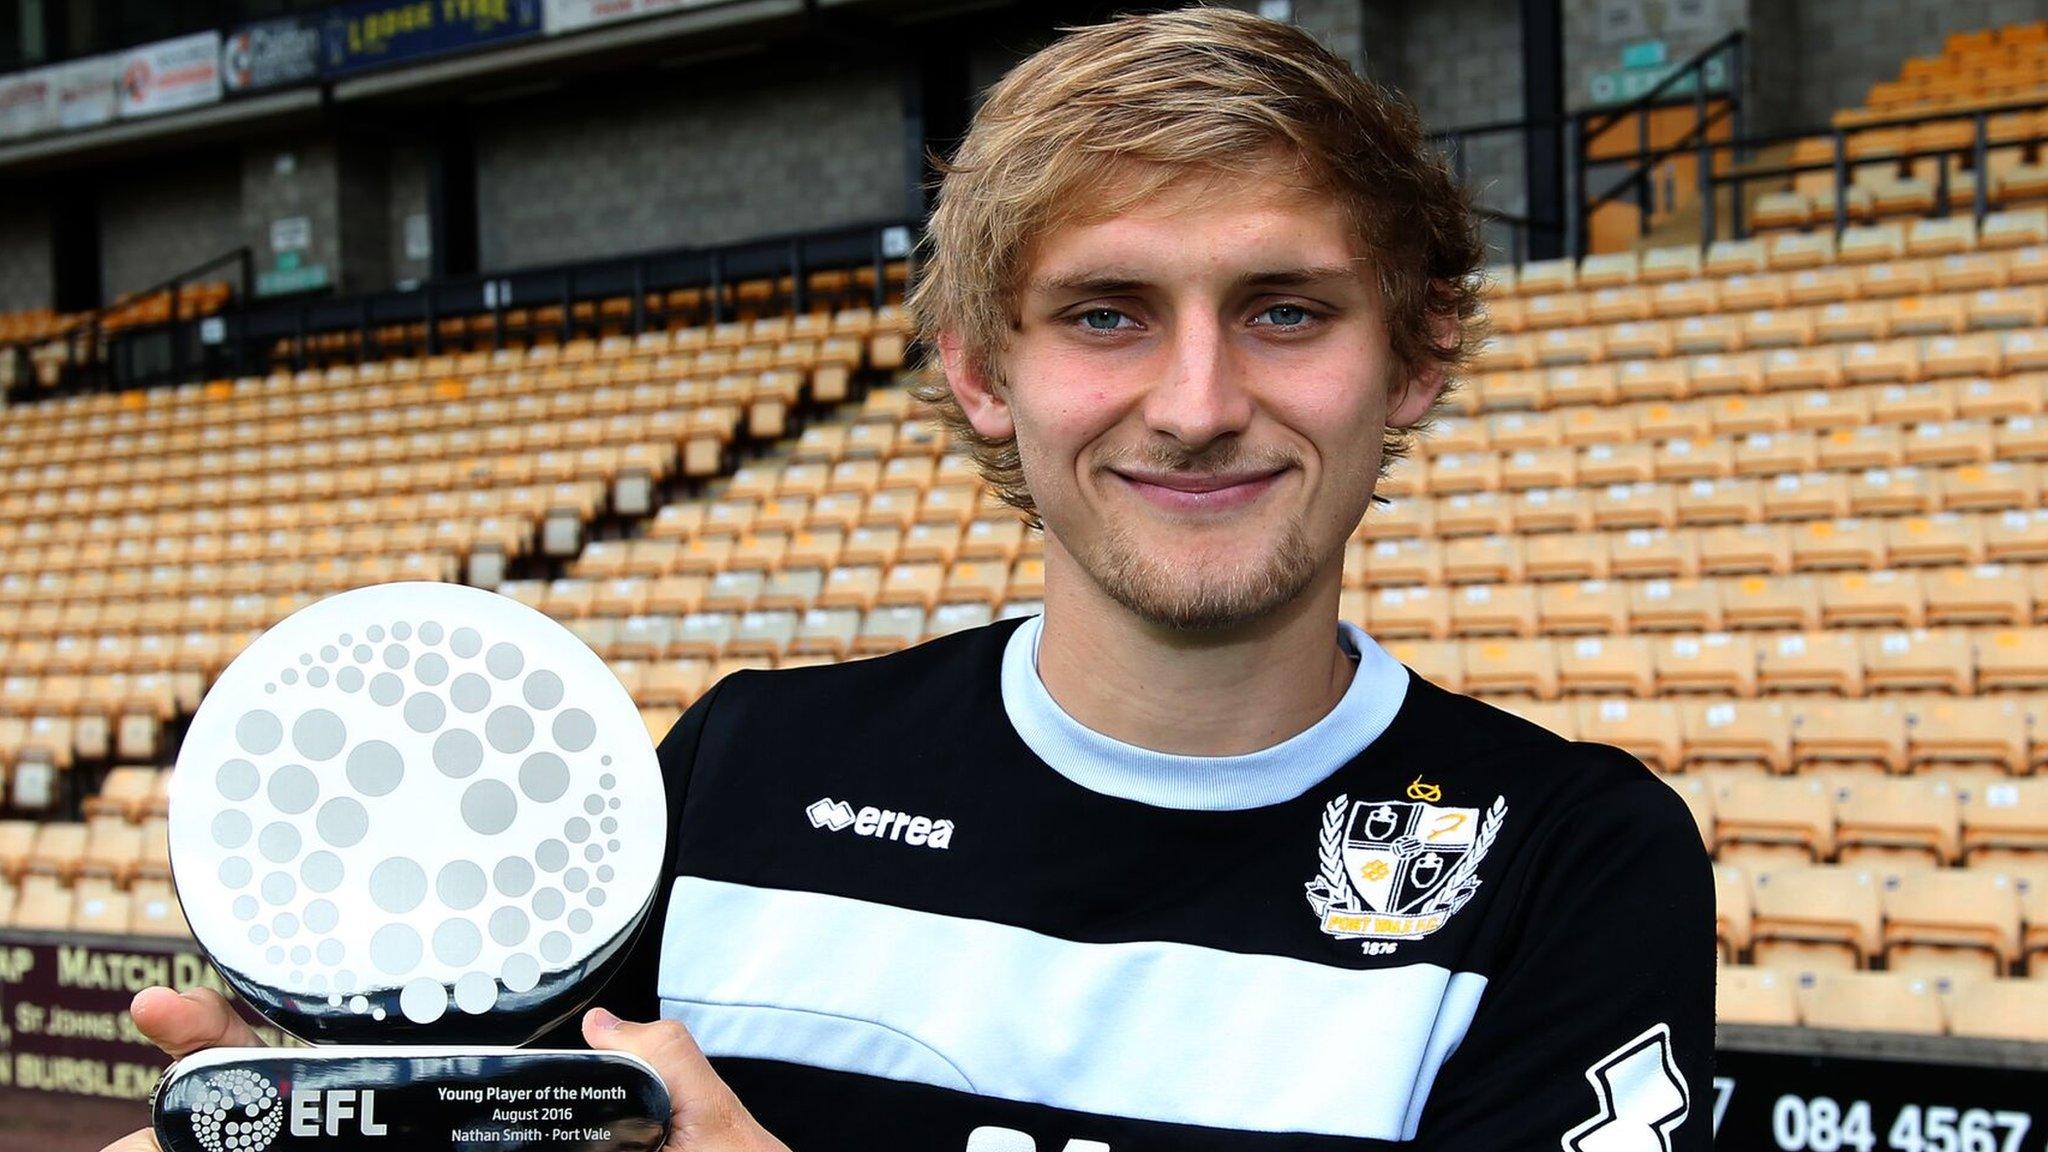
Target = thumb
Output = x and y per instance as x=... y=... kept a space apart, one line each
x=707 y=1117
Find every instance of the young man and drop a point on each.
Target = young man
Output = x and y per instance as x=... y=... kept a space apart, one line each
x=1184 y=863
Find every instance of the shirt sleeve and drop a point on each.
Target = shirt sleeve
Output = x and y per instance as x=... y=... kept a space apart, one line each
x=630 y=994
x=1595 y=1031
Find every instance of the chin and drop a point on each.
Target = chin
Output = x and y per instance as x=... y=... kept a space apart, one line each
x=1204 y=589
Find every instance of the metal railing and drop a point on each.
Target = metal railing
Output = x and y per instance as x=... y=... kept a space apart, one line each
x=556 y=302
x=1580 y=137
x=1840 y=160
x=1645 y=159
x=514 y=302
x=93 y=355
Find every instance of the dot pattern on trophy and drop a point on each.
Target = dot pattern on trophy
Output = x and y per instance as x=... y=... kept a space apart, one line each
x=236 y=1110
x=478 y=733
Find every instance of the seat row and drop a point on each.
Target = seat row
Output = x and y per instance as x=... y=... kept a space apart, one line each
x=420 y=461
x=304 y=527
x=1910 y=918
x=1955 y=662
x=1563 y=407
x=1905 y=1002
x=1754 y=256
x=1932 y=297
x=42 y=904
x=1997 y=828
x=108 y=848
x=1675 y=376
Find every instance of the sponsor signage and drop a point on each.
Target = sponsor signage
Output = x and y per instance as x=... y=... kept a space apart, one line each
x=26 y=107
x=170 y=75
x=270 y=55
x=88 y=92
x=571 y=15
x=372 y=34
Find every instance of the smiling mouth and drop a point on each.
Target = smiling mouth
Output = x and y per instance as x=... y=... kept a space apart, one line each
x=1199 y=491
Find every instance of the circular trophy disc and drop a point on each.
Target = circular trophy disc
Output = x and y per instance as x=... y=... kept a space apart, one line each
x=417 y=812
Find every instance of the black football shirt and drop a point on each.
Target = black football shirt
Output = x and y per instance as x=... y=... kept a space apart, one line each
x=917 y=907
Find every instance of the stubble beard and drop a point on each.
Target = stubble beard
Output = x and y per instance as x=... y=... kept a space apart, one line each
x=1186 y=595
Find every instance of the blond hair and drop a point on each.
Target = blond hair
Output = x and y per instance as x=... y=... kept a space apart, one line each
x=1127 y=107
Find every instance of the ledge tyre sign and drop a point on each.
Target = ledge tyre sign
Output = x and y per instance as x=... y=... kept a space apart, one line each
x=572 y=15
x=272 y=54
x=170 y=75
x=375 y=33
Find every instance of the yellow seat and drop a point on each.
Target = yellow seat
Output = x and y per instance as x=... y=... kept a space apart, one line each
x=1962 y=921
x=1871 y=1002
x=1807 y=917
x=2000 y=1010
x=1776 y=818
x=1745 y=995
x=1906 y=821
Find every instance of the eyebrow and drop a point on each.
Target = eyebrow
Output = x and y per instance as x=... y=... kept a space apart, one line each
x=1104 y=281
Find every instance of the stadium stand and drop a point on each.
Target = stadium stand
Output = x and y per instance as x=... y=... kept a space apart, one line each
x=1794 y=555
x=1911 y=148
x=1771 y=513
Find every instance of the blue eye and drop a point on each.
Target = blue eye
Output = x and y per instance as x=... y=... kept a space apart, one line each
x=1287 y=315
x=1093 y=314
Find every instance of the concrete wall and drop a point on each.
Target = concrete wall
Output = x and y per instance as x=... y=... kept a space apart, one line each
x=752 y=149
x=289 y=179
x=1460 y=61
x=24 y=253
x=407 y=176
x=160 y=221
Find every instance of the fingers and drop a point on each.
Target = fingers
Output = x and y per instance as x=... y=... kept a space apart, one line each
x=708 y=1117
x=143 y=1141
x=183 y=1023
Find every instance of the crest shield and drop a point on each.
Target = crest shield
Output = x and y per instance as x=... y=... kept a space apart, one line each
x=1398 y=853
x=1398 y=869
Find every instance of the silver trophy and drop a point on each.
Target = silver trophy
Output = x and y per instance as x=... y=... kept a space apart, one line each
x=415 y=825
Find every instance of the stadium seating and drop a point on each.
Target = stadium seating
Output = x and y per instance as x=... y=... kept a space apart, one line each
x=1770 y=515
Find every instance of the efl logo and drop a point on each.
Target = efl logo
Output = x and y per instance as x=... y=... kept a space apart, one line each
x=241 y=1111
x=880 y=823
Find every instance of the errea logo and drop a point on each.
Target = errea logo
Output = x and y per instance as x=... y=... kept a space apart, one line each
x=880 y=823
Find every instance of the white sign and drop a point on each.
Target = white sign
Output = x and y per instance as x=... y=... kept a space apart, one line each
x=419 y=237
x=571 y=15
x=171 y=74
x=88 y=91
x=291 y=234
x=28 y=105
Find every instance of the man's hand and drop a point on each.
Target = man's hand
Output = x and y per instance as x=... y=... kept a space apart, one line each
x=706 y=1116
x=181 y=1024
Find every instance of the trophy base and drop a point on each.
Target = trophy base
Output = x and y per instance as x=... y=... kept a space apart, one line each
x=415 y=1099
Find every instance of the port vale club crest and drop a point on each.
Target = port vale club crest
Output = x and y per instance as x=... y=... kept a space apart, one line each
x=1398 y=869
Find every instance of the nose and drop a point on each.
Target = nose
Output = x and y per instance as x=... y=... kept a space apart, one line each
x=1201 y=397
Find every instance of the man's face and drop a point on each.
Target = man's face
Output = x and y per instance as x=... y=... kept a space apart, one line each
x=1197 y=389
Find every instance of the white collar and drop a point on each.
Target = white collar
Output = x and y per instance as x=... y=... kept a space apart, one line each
x=1216 y=783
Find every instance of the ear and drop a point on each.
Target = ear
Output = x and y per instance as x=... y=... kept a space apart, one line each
x=1415 y=395
x=979 y=398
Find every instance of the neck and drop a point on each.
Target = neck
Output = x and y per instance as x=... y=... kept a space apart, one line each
x=1222 y=693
